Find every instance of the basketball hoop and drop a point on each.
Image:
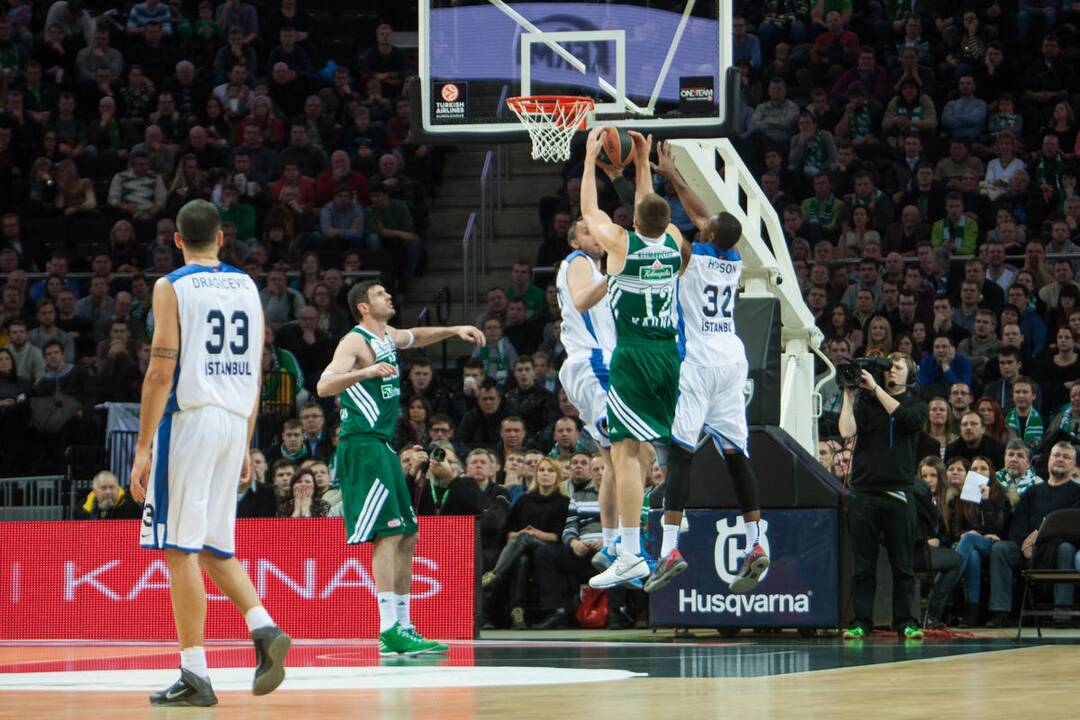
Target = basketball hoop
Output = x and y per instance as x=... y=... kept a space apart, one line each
x=551 y=121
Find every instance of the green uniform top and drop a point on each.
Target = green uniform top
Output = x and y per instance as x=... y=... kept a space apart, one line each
x=642 y=294
x=370 y=407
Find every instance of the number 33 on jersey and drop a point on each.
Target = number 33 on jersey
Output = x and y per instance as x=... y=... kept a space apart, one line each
x=221 y=345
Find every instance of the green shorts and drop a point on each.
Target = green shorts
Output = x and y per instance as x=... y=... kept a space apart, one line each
x=643 y=392
x=374 y=496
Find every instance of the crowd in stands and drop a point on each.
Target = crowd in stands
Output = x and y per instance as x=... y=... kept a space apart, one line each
x=920 y=155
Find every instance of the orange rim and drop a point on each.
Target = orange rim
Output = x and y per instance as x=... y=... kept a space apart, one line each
x=559 y=110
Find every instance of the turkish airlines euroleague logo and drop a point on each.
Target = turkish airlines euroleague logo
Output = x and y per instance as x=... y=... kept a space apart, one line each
x=450 y=101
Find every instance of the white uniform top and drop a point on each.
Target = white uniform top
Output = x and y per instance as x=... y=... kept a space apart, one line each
x=707 y=307
x=589 y=335
x=221 y=339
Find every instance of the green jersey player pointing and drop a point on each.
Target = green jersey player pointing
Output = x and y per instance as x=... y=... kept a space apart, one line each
x=377 y=506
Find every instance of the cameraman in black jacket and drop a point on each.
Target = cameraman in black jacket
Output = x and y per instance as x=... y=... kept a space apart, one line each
x=880 y=504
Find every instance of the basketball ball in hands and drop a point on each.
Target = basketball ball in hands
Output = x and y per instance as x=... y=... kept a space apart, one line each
x=616 y=148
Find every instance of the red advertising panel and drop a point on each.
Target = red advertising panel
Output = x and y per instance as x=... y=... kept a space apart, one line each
x=90 y=580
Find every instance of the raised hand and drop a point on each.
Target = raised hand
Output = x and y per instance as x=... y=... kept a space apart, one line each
x=665 y=161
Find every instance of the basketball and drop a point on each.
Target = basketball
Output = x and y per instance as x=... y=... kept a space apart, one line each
x=617 y=149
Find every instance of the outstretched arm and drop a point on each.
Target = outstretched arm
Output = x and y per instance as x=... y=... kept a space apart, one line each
x=419 y=337
x=642 y=168
x=341 y=374
x=610 y=235
x=692 y=204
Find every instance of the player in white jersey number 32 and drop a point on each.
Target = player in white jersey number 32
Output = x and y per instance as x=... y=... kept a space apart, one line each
x=711 y=382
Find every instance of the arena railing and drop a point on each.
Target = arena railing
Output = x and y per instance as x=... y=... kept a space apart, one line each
x=470 y=275
x=32 y=497
x=956 y=260
x=359 y=275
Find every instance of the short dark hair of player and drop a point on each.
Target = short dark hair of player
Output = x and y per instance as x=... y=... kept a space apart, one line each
x=198 y=223
x=291 y=424
x=359 y=294
x=420 y=362
x=652 y=216
x=523 y=360
x=489 y=384
x=724 y=230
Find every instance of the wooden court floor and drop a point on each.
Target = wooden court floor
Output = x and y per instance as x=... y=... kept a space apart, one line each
x=1002 y=681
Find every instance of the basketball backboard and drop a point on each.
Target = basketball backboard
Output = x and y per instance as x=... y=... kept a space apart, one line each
x=662 y=67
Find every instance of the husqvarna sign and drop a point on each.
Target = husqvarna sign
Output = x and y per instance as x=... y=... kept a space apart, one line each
x=798 y=590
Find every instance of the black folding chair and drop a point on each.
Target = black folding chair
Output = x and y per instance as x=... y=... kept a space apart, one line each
x=1059 y=526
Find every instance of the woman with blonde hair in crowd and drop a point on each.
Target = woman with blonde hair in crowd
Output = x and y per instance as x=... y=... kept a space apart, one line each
x=188 y=183
x=74 y=194
x=535 y=520
x=879 y=340
x=940 y=423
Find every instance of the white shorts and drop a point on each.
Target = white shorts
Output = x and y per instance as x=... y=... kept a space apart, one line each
x=585 y=381
x=712 y=399
x=191 y=496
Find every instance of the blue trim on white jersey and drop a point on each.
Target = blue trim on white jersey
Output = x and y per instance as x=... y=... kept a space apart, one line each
x=161 y=478
x=600 y=370
x=710 y=250
x=689 y=448
x=193 y=269
x=680 y=321
x=173 y=405
x=723 y=442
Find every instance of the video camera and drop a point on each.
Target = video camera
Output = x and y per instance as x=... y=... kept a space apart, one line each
x=849 y=374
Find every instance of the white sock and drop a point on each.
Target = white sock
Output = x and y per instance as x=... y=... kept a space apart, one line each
x=193 y=659
x=609 y=535
x=257 y=617
x=671 y=539
x=387 y=610
x=753 y=533
x=631 y=540
x=401 y=609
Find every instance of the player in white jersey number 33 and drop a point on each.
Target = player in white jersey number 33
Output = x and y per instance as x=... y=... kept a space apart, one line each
x=199 y=402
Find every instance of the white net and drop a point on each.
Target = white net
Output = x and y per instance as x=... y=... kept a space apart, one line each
x=551 y=122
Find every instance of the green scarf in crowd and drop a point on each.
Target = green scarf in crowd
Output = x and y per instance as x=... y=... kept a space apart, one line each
x=1033 y=430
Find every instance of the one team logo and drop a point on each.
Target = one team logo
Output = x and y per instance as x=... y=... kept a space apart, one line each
x=730 y=545
x=450 y=92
